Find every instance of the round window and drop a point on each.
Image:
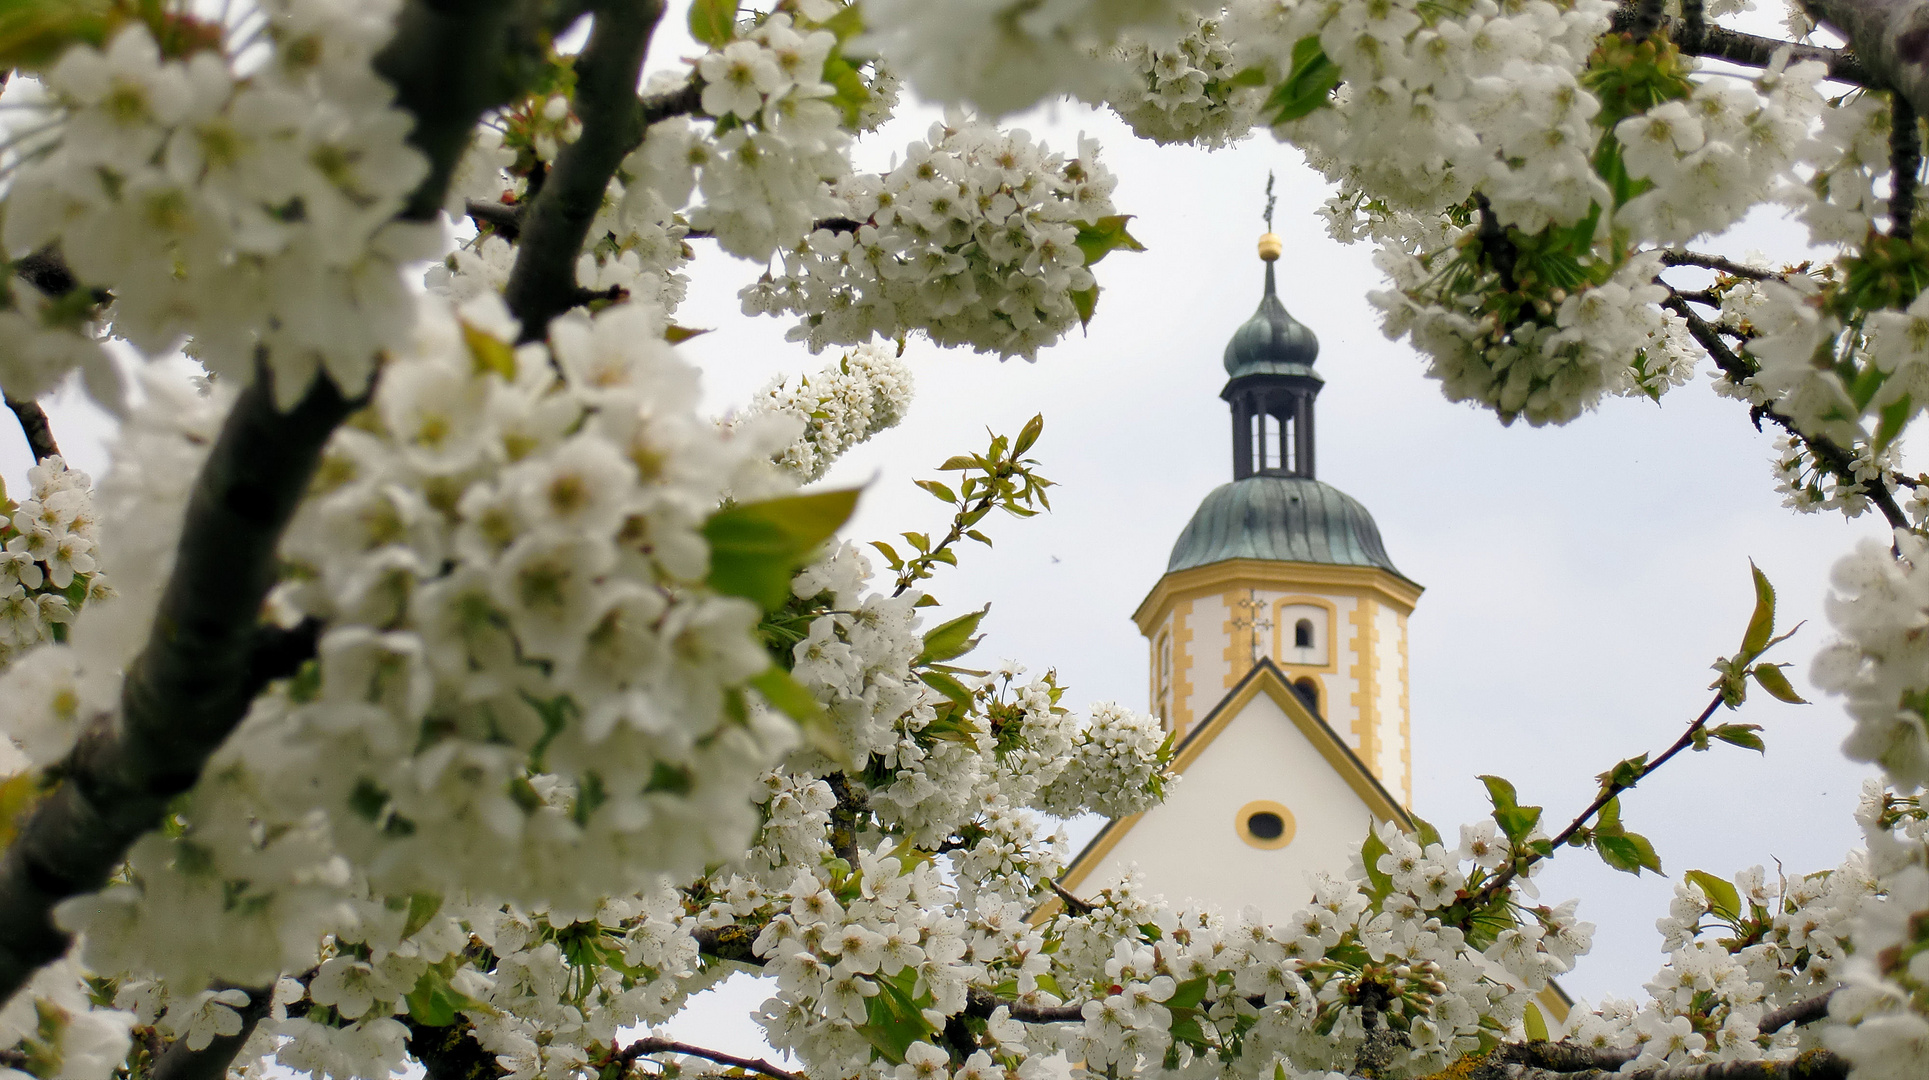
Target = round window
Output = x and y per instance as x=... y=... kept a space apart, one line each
x=1265 y=824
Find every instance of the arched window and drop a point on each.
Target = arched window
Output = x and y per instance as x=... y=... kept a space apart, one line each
x=1308 y=691
x=1303 y=634
x=1162 y=678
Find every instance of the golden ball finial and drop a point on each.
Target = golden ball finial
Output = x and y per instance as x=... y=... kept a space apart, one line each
x=1271 y=247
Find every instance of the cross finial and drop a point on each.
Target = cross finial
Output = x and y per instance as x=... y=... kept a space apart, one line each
x=1271 y=201
x=1254 y=622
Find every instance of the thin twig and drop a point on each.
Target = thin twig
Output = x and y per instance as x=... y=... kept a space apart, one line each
x=643 y=1047
x=1609 y=791
x=1831 y=456
x=1072 y=902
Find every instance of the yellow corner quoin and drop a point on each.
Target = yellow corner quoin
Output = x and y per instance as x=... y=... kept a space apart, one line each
x=1242 y=823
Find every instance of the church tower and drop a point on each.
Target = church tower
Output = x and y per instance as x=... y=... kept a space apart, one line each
x=1279 y=565
x=1279 y=661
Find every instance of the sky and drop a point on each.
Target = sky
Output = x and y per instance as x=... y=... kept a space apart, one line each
x=1579 y=580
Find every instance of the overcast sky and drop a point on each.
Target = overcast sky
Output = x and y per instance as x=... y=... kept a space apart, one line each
x=1579 y=580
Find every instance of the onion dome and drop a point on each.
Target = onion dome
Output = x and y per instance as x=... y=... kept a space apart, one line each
x=1272 y=342
x=1274 y=509
x=1283 y=519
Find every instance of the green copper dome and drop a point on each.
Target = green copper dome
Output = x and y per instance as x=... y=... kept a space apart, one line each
x=1272 y=342
x=1281 y=518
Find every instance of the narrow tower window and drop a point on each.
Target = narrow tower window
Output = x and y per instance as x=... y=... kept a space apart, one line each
x=1303 y=634
x=1272 y=442
x=1308 y=691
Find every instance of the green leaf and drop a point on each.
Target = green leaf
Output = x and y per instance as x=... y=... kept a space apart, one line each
x=422 y=908
x=890 y=554
x=786 y=694
x=1609 y=817
x=1761 y=625
x=677 y=335
x=1186 y=1029
x=756 y=548
x=1772 y=680
x=1033 y=428
x=1428 y=835
x=1723 y=900
x=1500 y=791
x=713 y=22
x=1894 y=417
x=1189 y=994
x=1370 y=853
x=1742 y=735
x=1535 y=1023
x=938 y=489
x=1104 y=236
x=433 y=1003
x=948 y=686
x=1627 y=852
x=34 y=33
x=1086 y=301
x=1308 y=87
x=953 y=639
x=487 y=351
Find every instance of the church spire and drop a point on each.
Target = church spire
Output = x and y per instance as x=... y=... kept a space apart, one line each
x=1272 y=384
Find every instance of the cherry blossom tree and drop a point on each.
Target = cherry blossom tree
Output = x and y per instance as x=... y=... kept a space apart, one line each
x=429 y=682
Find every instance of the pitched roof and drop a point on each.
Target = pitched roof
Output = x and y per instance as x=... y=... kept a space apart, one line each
x=1266 y=678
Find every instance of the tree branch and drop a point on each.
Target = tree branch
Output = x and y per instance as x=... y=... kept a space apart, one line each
x=1716 y=262
x=1890 y=36
x=1835 y=458
x=853 y=806
x=504 y=218
x=1802 y=1012
x=193 y=681
x=542 y=283
x=1721 y=43
x=730 y=942
x=982 y=1003
x=1072 y=903
x=1814 y=1065
x=642 y=1047
x=450 y=1052
x=33 y=424
x=1905 y=165
x=1609 y=791
x=212 y=1061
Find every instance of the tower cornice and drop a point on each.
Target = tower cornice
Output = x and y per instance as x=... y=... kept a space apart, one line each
x=1270 y=574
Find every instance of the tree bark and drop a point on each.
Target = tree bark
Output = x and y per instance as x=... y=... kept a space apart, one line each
x=193 y=681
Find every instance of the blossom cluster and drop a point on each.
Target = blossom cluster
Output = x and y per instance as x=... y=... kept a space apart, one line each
x=973 y=239
x=246 y=205
x=865 y=392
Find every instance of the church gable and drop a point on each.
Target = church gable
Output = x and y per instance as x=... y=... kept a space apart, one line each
x=1269 y=793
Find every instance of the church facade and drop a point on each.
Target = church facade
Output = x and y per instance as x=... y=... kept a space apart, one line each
x=1278 y=642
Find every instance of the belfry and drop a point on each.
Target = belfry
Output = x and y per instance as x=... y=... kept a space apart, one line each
x=1278 y=637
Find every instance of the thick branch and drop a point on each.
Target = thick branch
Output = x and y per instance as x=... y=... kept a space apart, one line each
x=1905 y=165
x=33 y=424
x=1716 y=262
x=212 y=1061
x=1072 y=903
x=191 y=684
x=1815 y=1065
x=193 y=681
x=1802 y=1012
x=730 y=942
x=1562 y=1057
x=1753 y=50
x=542 y=284
x=1891 y=37
x=450 y=1052
x=669 y=1046
x=847 y=817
